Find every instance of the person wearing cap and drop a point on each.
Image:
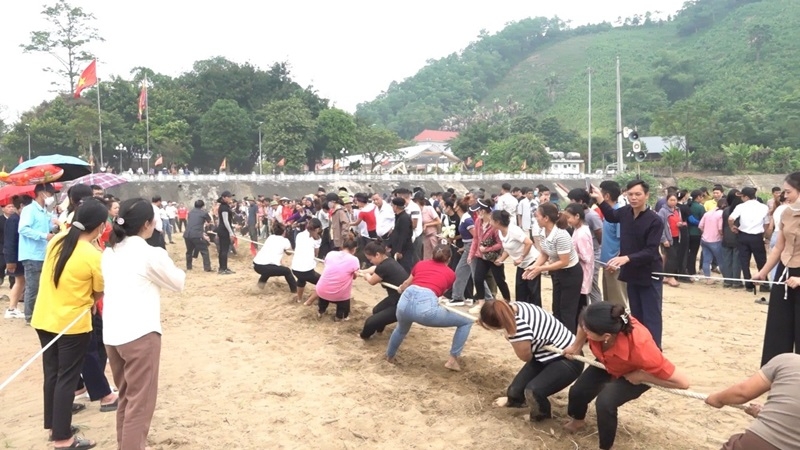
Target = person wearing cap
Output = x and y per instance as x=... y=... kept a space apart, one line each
x=224 y=231
x=35 y=231
x=340 y=220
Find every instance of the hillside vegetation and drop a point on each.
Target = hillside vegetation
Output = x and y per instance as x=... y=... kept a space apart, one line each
x=721 y=72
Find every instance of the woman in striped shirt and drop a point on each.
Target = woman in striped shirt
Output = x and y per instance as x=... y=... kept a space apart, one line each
x=529 y=328
x=560 y=258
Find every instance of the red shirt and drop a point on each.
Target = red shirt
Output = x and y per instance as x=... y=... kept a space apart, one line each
x=636 y=351
x=436 y=276
x=368 y=216
x=183 y=212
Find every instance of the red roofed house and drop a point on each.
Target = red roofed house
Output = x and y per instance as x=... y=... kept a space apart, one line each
x=435 y=136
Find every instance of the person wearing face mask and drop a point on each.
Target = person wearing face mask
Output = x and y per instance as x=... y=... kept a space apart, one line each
x=35 y=230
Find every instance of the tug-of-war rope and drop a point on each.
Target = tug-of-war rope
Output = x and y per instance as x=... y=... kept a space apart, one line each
x=550 y=348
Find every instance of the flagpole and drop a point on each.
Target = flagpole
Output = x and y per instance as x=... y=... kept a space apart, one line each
x=99 y=123
x=147 y=116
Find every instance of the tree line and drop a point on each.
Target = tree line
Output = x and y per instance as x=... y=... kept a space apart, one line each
x=214 y=112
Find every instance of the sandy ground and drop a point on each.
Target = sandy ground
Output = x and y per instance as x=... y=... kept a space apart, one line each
x=243 y=369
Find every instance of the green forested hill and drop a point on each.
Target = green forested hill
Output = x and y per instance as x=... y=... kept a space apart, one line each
x=720 y=72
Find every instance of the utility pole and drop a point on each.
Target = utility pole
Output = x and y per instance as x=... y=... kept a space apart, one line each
x=589 y=136
x=620 y=163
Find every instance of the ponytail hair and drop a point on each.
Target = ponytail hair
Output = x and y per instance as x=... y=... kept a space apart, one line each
x=90 y=214
x=442 y=253
x=134 y=214
x=604 y=317
x=76 y=194
x=497 y=314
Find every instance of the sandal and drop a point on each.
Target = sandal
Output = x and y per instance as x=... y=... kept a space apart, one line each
x=80 y=443
x=72 y=429
x=78 y=407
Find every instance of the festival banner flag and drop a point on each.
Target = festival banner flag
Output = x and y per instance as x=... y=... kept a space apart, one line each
x=88 y=78
x=282 y=162
x=143 y=99
x=469 y=161
x=479 y=164
x=160 y=160
x=21 y=160
x=524 y=165
x=224 y=164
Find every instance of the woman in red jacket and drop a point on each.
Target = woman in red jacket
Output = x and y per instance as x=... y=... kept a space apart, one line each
x=486 y=248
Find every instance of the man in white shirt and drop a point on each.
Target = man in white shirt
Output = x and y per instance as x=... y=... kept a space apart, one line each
x=524 y=215
x=506 y=201
x=384 y=216
x=157 y=239
x=748 y=221
x=172 y=217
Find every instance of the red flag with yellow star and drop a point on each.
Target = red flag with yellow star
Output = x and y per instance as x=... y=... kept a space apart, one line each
x=88 y=78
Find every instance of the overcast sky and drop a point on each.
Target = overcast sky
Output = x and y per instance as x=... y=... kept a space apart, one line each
x=349 y=50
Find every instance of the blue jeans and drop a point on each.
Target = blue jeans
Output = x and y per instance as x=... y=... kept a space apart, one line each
x=33 y=271
x=711 y=251
x=421 y=305
x=730 y=266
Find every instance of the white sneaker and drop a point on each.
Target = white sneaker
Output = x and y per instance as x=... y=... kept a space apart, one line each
x=14 y=314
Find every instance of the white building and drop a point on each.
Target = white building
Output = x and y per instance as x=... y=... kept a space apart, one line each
x=421 y=158
x=569 y=164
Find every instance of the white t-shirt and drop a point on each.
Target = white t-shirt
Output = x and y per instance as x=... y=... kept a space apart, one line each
x=752 y=215
x=272 y=251
x=415 y=212
x=384 y=219
x=776 y=217
x=507 y=202
x=172 y=212
x=304 y=252
x=524 y=213
x=514 y=243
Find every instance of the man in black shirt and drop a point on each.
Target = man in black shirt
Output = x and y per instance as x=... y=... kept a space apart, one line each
x=8 y=209
x=640 y=236
x=252 y=220
x=195 y=236
x=400 y=240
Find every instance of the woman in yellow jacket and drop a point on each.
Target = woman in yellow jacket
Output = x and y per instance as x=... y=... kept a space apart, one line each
x=71 y=281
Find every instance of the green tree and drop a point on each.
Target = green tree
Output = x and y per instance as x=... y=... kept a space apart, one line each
x=225 y=132
x=336 y=130
x=288 y=132
x=673 y=159
x=70 y=32
x=517 y=151
x=738 y=155
x=783 y=160
x=757 y=37
x=376 y=142
x=84 y=129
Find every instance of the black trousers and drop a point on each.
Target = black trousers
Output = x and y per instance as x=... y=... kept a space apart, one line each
x=181 y=225
x=342 y=308
x=567 y=295
x=610 y=393
x=691 y=257
x=62 y=364
x=539 y=380
x=271 y=270
x=682 y=250
x=673 y=261
x=157 y=239
x=196 y=246
x=528 y=291
x=326 y=244
x=383 y=314
x=224 y=247
x=751 y=245
x=93 y=375
x=783 y=318
x=482 y=267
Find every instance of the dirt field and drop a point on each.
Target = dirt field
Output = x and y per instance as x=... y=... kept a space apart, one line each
x=246 y=369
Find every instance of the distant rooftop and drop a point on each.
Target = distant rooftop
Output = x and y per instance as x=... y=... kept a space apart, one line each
x=435 y=136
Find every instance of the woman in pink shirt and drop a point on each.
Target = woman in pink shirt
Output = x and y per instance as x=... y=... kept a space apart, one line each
x=486 y=248
x=336 y=282
x=711 y=239
x=582 y=240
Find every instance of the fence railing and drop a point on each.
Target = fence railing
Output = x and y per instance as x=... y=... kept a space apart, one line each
x=313 y=177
